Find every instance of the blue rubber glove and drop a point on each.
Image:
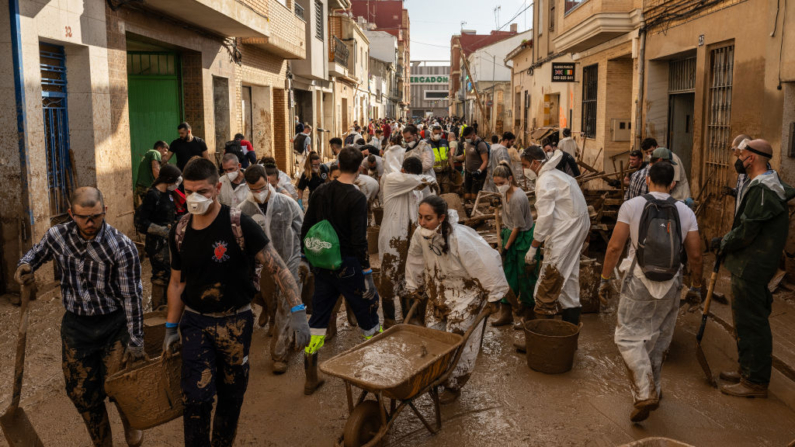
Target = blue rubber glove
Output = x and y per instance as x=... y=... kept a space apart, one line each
x=301 y=204
x=689 y=202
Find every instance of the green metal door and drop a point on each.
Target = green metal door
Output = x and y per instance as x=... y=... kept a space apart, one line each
x=154 y=99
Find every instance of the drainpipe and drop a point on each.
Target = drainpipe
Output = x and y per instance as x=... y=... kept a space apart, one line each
x=26 y=227
x=641 y=78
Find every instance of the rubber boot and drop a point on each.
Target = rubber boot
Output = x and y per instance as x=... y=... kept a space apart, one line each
x=158 y=295
x=388 y=307
x=505 y=317
x=525 y=315
x=745 y=389
x=227 y=414
x=98 y=425
x=133 y=437
x=571 y=315
x=313 y=378
x=731 y=376
x=331 y=330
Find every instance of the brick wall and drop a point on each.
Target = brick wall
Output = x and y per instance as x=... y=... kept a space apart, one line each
x=284 y=158
x=193 y=93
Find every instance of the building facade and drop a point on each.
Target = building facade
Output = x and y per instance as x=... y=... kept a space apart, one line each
x=430 y=88
x=100 y=82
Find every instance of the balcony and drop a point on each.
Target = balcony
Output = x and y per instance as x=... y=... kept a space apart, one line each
x=229 y=19
x=286 y=41
x=338 y=57
x=593 y=22
x=401 y=72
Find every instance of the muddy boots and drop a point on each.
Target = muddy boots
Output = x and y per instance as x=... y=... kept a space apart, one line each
x=133 y=437
x=313 y=378
x=388 y=307
x=505 y=317
x=158 y=295
x=331 y=330
x=745 y=389
x=731 y=376
x=571 y=315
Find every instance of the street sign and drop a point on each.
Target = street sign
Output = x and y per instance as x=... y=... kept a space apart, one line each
x=562 y=72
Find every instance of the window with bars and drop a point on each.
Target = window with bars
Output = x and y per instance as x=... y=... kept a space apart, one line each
x=719 y=122
x=319 y=19
x=590 y=84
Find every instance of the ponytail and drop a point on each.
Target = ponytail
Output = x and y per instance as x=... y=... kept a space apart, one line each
x=503 y=170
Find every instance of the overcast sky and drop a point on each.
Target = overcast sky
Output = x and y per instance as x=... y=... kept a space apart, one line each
x=434 y=21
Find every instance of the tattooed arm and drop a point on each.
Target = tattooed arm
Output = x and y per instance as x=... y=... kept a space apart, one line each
x=273 y=263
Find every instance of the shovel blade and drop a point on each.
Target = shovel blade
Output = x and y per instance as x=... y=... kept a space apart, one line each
x=18 y=430
x=702 y=360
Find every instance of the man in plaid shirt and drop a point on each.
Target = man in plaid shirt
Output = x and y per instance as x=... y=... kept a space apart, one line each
x=101 y=291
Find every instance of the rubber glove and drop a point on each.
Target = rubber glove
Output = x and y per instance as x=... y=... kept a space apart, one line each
x=158 y=230
x=493 y=307
x=24 y=275
x=604 y=291
x=478 y=173
x=693 y=298
x=530 y=257
x=300 y=326
x=133 y=354
x=714 y=244
x=689 y=202
x=301 y=204
x=728 y=191
x=369 y=286
x=170 y=339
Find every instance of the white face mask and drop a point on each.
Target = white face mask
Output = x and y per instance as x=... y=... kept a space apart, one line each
x=428 y=233
x=503 y=188
x=198 y=204
x=260 y=197
x=528 y=172
x=411 y=144
x=176 y=184
x=468 y=140
x=436 y=137
x=232 y=175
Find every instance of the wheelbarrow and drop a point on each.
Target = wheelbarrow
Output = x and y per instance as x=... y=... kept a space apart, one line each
x=401 y=364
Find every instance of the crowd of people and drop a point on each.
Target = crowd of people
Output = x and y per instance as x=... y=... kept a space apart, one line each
x=221 y=237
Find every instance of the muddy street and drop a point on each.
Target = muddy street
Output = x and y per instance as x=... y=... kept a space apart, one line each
x=505 y=403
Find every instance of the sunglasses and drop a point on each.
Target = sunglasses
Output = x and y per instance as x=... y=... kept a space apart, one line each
x=88 y=217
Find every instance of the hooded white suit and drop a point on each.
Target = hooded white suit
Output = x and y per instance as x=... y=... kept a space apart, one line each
x=282 y=224
x=458 y=284
x=562 y=225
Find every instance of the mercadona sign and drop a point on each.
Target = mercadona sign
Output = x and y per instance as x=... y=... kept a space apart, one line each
x=430 y=80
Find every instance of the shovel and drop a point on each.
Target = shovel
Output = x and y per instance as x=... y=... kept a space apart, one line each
x=702 y=359
x=16 y=426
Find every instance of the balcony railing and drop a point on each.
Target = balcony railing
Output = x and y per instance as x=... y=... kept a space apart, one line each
x=338 y=51
x=299 y=11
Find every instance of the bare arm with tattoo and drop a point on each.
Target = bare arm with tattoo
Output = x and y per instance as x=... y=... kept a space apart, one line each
x=273 y=263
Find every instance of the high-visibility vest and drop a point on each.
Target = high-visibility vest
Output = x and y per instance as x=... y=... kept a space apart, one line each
x=440 y=153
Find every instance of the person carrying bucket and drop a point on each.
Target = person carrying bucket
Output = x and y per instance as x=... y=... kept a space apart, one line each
x=460 y=273
x=517 y=236
x=652 y=282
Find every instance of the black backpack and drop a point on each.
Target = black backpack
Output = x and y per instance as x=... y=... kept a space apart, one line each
x=660 y=252
x=298 y=143
x=234 y=147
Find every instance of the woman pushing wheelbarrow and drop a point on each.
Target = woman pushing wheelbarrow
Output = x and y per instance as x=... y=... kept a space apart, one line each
x=460 y=273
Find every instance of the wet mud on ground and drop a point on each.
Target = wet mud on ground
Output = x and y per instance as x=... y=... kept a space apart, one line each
x=505 y=403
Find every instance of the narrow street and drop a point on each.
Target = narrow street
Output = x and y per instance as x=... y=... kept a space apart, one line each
x=505 y=403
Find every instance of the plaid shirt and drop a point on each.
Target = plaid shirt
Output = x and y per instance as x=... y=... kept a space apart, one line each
x=98 y=277
x=637 y=184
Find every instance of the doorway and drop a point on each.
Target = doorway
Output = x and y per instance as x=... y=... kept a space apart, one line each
x=154 y=99
x=552 y=112
x=680 y=127
x=221 y=113
x=246 y=111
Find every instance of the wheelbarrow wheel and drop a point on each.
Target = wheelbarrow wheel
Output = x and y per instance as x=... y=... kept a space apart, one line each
x=363 y=424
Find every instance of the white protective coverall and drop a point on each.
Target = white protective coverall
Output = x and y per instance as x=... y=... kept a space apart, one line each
x=424 y=152
x=499 y=153
x=458 y=284
x=282 y=224
x=401 y=203
x=285 y=183
x=393 y=159
x=232 y=197
x=562 y=225
x=368 y=186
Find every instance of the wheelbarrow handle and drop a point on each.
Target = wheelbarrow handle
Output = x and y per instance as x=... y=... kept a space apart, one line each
x=19 y=364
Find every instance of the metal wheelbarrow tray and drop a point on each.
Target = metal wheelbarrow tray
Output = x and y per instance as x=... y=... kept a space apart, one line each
x=401 y=364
